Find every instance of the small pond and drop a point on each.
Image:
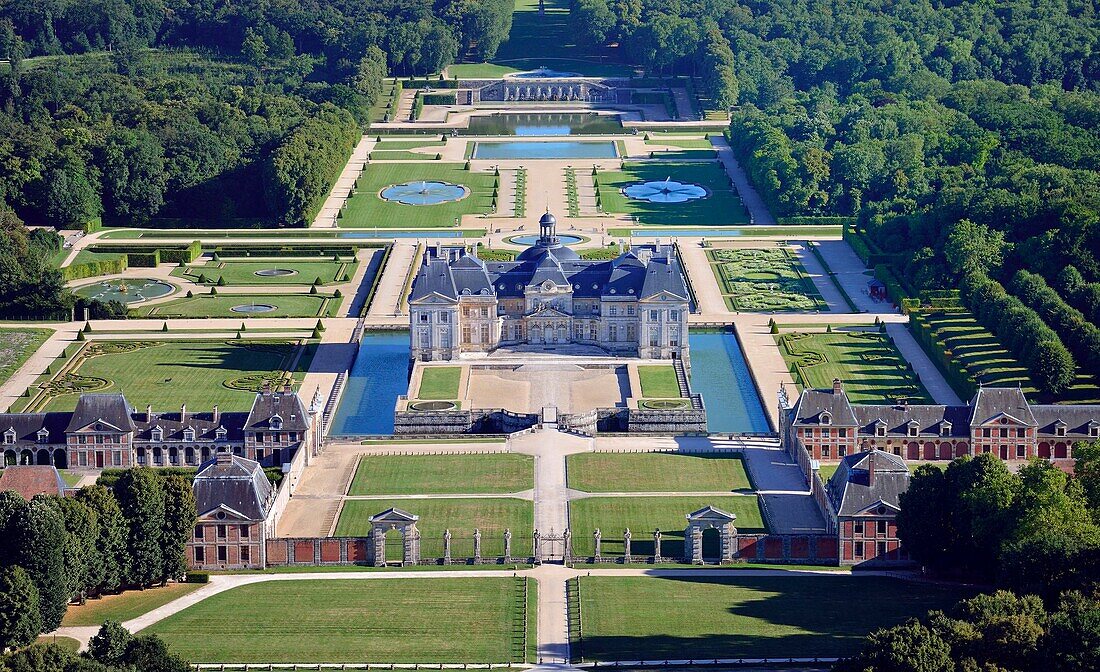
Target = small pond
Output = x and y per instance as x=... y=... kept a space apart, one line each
x=425 y=192
x=534 y=149
x=275 y=272
x=541 y=73
x=385 y=233
x=687 y=233
x=127 y=291
x=380 y=374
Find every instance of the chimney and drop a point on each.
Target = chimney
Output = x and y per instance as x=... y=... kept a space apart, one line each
x=224 y=456
x=871 y=469
x=216 y=414
x=148 y=412
x=286 y=388
x=183 y=412
x=837 y=387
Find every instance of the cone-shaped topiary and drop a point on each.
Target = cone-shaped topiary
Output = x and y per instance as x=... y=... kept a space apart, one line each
x=320 y=326
x=164 y=327
x=221 y=281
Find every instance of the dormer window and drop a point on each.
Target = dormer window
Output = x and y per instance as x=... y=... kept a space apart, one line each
x=9 y=436
x=826 y=418
x=945 y=429
x=157 y=434
x=188 y=434
x=914 y=428
x=1094 y=428
x=43 y=435
x=880 y=429
x=276 y=422
x=1059 y=428
x=220 y=434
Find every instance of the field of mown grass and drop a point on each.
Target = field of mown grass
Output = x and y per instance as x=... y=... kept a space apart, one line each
x=500 y=473
x=656 y=472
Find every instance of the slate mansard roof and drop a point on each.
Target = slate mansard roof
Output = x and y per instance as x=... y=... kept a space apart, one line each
x=864 y=481
x=233 y=484
x=110 y=409
x=24 y=428
x=631 y=275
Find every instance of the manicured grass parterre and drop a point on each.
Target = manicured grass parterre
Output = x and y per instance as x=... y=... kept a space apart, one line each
x=169 y=373
x=460 y=515
x=656 y=472
x=366 y=209
x=125 y=606
x=399 y=142
x=643 y=515
x=721 y=207
x=245 y=272
x=872 y=369
x=457 y=620
x=439 y=382
x=966 y=349
x=658 y=381
x=16 y=347
x=677 y=141
x=443 y=474
x=402 y=155
x=651 y=618
x=221 y=305
x=764 y=280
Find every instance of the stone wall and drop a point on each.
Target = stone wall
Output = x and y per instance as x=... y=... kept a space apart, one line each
x=672 y=421
x=479 y=421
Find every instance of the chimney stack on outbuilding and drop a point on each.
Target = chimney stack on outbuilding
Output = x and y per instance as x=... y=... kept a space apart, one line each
x=837 y=387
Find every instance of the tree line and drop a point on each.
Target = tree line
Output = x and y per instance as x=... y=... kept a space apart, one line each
x=112 y=649
x=54 y=550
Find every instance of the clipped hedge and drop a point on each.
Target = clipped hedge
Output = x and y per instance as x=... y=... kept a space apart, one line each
x=185 y=255
x=143 y=259
x=91 y=269
x=440 y=98
x=198 y=577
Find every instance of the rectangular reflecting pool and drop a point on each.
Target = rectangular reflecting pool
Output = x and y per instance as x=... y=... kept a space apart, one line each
x=720 y=373
x=544 y=123
x=391 y=233
x=533 y=149
x=687 y=233
x=379 y=375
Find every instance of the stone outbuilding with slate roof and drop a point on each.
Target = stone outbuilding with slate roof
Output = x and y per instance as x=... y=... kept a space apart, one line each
x=634 y=305
x=1001 y=421
x=233 y=498
x=863 y=500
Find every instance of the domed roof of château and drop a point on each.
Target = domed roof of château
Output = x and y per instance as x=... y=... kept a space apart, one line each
x=548 y=220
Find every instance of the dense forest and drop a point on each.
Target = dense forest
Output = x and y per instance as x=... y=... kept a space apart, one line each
x=910 y=115
x=178 y=111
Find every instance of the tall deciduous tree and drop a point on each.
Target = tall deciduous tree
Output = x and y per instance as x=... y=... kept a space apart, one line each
x=113 y=532
x=179 y=524
x=134 y=177
x=36 y=542
x=140 y=494
x=20 y=620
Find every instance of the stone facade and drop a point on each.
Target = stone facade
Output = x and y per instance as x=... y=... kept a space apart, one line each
x=634 y=305
x=233 y=498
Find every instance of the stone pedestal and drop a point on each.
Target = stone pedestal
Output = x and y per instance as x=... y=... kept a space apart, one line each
x=626 y=546
x=597 y=539
x=507 y=546
x=447 y=547
x=657 y=546
x=477 y=546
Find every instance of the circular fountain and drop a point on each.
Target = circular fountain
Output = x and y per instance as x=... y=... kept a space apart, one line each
x=275 y=272
x=254 y=308
x=531 y=239
x=667 y=191
x=424 y=192
x=133 y=290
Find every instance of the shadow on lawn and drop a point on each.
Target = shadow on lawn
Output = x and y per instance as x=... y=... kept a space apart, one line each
x=819 y=607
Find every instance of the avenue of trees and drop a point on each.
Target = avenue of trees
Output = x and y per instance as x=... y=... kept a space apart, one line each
x=57 y=549
x=112 y=649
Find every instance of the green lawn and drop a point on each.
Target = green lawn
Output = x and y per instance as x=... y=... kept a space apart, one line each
x=443 y=474
x=643 y=515
x=366 y=209
x=658 y=381
x=286 y=305
x=16 y=347
x=439 y=382
x=378 y=620
x=400 y=142
x=169 y=373
x=872 y=369
x=125 y=606
x=977 y=350
x=631 y=618
x=721 y=208
x=656 y=472
x=244 y=272
x=461 y=516
x=677 y=141
x=764 y=280
x=87 y=256
x=401 y=155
